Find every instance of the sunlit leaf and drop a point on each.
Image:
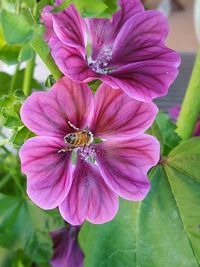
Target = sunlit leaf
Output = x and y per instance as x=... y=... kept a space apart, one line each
x=26 y=53
x=8 y=53
x=20 y=136
x=91 y=8
x=16 y=29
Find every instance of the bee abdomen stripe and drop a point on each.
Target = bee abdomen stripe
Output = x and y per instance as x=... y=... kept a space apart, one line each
x=79 y=140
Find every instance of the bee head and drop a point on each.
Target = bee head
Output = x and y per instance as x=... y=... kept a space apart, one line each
x=70 y=138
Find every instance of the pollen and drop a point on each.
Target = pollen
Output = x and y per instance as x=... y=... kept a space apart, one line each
x=88 y=154
x=101 y=63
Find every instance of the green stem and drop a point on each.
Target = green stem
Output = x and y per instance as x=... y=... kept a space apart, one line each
x=5 y=180
x=18 y=184
x=5 y=149
x=18 y=6
x=14 y=78
x=42 y=50
x=28 y=76
x=191 y=104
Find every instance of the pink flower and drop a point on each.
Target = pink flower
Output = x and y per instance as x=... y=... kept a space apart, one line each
x=174 y=113
x=88 y=188
x=67 y=252
x=127 y=51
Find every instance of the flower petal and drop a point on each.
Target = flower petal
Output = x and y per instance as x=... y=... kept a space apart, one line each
x=128 y=9
x=46 y=18
x=143 y=30
x=120 y=116
x=68 y=52
x=142 y=65
x=48 y=113
x=103 y=31
x=124 y=165
x=89 y=197
x=48 y=172
x=71 y=62
x=70 y=28
x=147 y=80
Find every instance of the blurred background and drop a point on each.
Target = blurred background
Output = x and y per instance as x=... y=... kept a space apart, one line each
x=182 y=36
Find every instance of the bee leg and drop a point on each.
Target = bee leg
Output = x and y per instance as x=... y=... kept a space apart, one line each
x=83 y=148
x=65 y=149
x=74 y=127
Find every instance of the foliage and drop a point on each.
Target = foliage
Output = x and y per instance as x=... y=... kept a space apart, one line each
x=91 y=8
x=164 y=130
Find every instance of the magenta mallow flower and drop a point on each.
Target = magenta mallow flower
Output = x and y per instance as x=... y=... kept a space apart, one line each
x=66 y=250
x=85 y=181
x=127 y=51
x=174 y=113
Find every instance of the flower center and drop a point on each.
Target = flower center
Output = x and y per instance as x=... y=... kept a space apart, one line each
x=88 y=154
x=79 y=141
x=100 y=64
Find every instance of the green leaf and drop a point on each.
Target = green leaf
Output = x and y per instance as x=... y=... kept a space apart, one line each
x=9 y=117
x=20 y=136
x=9 y=258
x=19 y=93
x=16 y=29
x=112 y=7
x=164 y=130
x=8 y=53
x=19 y=228
x=91 y=8
x=94 y=85
x=8 y=113
x=97 y=140
x=26 y=53
x=50 y=81
x=162 y=230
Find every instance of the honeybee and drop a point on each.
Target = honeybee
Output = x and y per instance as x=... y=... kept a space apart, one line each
x=79 y=138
